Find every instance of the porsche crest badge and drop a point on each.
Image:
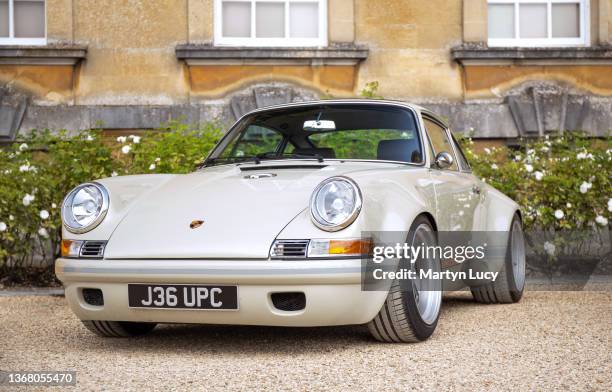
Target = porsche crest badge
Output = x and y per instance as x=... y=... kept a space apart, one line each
x=195 y=224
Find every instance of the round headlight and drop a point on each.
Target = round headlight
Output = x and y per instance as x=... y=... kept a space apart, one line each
x=85 y=207
x=335 y=203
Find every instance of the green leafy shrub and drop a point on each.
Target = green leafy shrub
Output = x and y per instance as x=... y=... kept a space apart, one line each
x=560 y=183
x=37 y=172
x=563 y=187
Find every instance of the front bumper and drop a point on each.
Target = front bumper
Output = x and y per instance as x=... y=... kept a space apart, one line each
x=332 y=289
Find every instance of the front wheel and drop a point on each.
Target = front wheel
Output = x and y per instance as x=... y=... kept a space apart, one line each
x=412 y=308
x=118 y=329
x=510 y=284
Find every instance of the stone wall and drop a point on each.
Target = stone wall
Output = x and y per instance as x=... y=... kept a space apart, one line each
x=140 y=63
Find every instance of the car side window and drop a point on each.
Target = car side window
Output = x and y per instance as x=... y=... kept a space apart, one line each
x=439 y=140
x=462 y=159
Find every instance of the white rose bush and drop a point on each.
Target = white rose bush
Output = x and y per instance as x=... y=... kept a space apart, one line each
x=563 y=185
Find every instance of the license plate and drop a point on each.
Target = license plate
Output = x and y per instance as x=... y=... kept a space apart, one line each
x=183 y=296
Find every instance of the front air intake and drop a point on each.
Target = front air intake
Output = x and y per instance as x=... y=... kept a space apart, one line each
x=93 y=297
x=289 y=302
x=289 y=249
x=93 y=249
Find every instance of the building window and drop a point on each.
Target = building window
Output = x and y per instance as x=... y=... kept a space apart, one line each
x=271 y=22
x=22 y=22
x=538 y=22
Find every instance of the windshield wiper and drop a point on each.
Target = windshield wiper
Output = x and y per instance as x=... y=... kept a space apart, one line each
x=258 y=158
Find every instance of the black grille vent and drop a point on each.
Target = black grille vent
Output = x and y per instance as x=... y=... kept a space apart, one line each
x=93 y=249
x=289 y=302
x=289 y=248
x=93 y=297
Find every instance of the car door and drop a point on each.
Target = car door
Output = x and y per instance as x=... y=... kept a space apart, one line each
x=456 y=200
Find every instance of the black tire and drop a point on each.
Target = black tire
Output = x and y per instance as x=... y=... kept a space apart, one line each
x=505 y=289
x=118 y=329
x=398 y=320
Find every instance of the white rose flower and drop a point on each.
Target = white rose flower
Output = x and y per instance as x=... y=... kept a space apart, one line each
x=121 y=139
x=569 y=205
x=610 y=205
x=23 y=147
x=487 y=150
x=27 y=199
x=559 y=214
x=581 y=155
x=2 y=226
x=529 y=168
x=549 y=248
x=494 y=166
x=24 y=168
x=43 y=232
x=538 y=175
x=585 y=186
x=517 y=158
x=157 y=160
x=44 y=214
x=53 y=205
x=152 y=166
x=11 y=217
x=126 y=149
x=131 y=137
x=601 y=220
x=136 y=139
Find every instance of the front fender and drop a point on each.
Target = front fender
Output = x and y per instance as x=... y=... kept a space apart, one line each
x=123 y=192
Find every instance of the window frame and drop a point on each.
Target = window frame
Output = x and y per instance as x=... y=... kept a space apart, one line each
x=448 y=135
x=12 y=40
x=252 y=41
x=549 y=41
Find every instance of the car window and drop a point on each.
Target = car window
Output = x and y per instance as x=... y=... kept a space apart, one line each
x=253 y=141
x=462 y=159
x=369 y=143
x=329 y=131
x=439 y=140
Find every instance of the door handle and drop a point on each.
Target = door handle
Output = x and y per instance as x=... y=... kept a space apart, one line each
x=476 y=189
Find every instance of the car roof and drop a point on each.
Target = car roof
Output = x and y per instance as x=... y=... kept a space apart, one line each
x=416 y=108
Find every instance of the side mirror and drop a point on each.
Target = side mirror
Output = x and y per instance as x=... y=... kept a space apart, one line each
x=444 y=160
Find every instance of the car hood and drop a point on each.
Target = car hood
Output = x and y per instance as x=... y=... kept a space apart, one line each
x=242 y=211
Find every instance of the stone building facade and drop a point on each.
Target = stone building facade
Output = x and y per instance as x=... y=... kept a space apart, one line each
x=502 y=68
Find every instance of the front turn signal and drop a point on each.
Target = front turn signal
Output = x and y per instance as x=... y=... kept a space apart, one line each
x=71 y=248
x=355 y=247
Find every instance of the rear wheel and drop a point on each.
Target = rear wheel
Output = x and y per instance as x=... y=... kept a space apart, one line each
x=410 y=312
x=510 y=284
x=118 y=329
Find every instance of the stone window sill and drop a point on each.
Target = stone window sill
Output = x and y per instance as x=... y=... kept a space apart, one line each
x=483 y=55
x=42 y=55
x=334 y=55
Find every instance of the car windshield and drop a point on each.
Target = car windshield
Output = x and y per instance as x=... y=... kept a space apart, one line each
x=323 y=131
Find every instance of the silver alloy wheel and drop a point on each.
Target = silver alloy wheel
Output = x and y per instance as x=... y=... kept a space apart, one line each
x=427 y=292
x=517 y=247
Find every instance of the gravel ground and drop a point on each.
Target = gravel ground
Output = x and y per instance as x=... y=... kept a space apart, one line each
x=549 y=341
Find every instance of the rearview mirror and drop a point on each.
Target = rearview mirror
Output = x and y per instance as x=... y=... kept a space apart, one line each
x=444 y=160
x=319 y=125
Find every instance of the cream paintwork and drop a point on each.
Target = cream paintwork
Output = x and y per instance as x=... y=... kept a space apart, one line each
x=149 y=239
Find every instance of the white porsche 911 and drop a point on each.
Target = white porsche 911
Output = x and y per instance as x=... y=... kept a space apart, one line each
x=269 y=229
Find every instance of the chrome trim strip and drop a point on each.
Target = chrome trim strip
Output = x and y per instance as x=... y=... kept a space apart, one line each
x=213 y=271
